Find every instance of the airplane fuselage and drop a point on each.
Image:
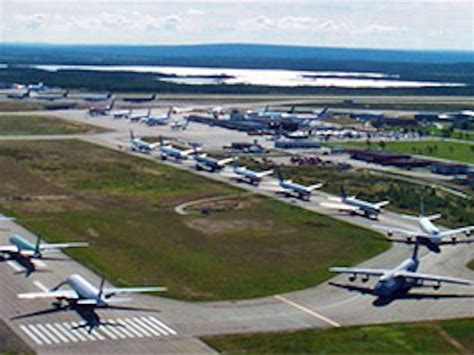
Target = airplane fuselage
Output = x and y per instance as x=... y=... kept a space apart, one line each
x=84 y=288
x=302 y=191
x=389 y=284
x=366 y=207
x=22 y=244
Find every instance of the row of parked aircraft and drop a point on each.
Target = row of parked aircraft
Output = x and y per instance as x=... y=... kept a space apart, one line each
x=80 y=292
x=390 y=282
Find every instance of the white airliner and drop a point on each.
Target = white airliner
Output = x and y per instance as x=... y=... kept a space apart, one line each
x=355 y=205
x=250 y=176
x=141 y=145
x=400 y=279
x=292 y=188
x=161 y=120
x=205 y=162
x=19 y=246
x=84 y=293
x=167 y=150
x=428 y=234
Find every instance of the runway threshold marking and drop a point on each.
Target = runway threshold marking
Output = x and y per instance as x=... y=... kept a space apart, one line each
x=14 y=266
x=112 y=329
x=41 y=286
x=307 y=311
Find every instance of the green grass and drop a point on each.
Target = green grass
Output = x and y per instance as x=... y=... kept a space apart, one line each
x=415 y=338
x=470 y=264
x=38 y=125
x=10 y=343
x=456 y=151
x=124 y=206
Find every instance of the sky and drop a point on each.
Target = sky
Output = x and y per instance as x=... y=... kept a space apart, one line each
x=421 y=24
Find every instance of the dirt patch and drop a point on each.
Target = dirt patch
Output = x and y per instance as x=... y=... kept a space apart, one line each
x=231 y=203
x=213 y=227
x=153 y=172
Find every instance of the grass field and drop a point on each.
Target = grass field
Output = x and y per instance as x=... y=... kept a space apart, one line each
x=444 y=337
x=456 y=151
x=124 y=206
x=35 y=124
x=10 y=343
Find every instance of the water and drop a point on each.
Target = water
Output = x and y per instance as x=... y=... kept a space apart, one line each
x=263 y=77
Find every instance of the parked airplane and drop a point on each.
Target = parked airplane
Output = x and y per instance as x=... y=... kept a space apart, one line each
x=289 y=188
x=139 y=99
x=19 y=95
x=247 y=175
x=83 y=293
x=50 y=96
x=400 y=279
x=167 y=150
x=136 y=117
x=205 y=162
x=428 y=234
x=355 y=205
x=36 y=87
x=180 y=125
x=97 y=97
x=21 y=246
x=158 y=120
x=141 y=145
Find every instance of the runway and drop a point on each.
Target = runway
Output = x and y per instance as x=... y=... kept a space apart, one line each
x=167 y=325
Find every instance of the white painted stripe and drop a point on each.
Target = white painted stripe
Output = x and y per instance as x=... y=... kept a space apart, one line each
x=41 y=286
x=155 y=326
x=131 y=330
x=161 y=324
x=66 y=332
x=31 y=334
x=114 y=330
x=57 y=333
x=133 y=324
x=80 y=328
x=107 y=332
x=124 y=329
x=146 y=326
x=40 y=264
x=43 y=338
x=75 y=331
x=97 y=334
x=307 y=311
x=14 y=266
x=47 y=333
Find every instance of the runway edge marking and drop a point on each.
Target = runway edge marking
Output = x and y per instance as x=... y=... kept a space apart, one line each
x=307 y=311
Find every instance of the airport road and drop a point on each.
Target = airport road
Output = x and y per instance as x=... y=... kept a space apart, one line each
x=172 y=326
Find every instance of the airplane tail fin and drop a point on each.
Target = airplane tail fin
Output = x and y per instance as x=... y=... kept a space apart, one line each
x=279 y=174
x=149 y=112
x=38 y=245
x=170 y=112
x=415 y=250
x=323 y=112
x=292 y=109
x=132 y=136
x=343 y=192
x=422 y=206
x=101 y=287
x=153 y=96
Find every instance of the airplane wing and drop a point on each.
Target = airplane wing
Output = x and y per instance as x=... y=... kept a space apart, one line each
x=64 y=294
x=315 y=186
x=358 y=271
x=223 y=162
x=381 y=204
x=117 y=291
x=433 y=278
x=8 y=249
x=63 y=245
x=396 y=230
x=264 y=173
x=92 y=302
x=457 y=231
x=339 y=206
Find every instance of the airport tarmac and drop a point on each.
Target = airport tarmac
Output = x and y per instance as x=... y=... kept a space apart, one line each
x=166 y=325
